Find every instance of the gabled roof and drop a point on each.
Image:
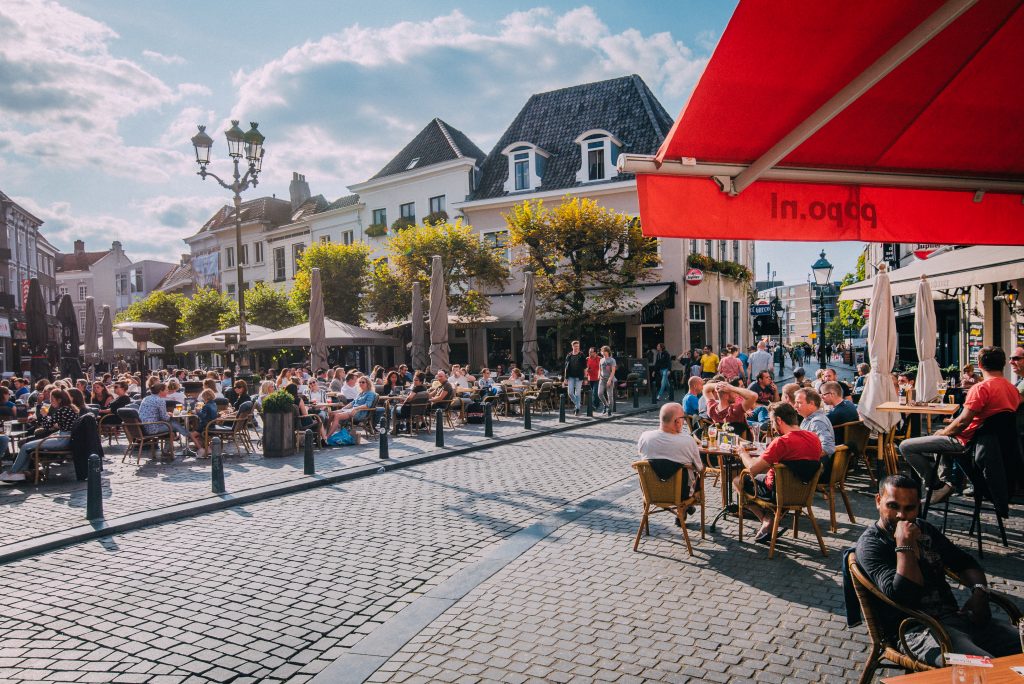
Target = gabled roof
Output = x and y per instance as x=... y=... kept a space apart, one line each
x=179 y=277
x=314 y=205
x=341 y=202
x=436 y=143
x=77 y=262
x=263 y=209
x=625 y=107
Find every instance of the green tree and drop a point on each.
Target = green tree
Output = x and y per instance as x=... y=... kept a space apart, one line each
x=158 y=307
x=848 y=317
x=206 y=311
x=467 y=262
x=344 y=279
x=576 y=246
x=269 y=307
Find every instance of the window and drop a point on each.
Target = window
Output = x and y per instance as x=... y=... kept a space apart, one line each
x=121 y=284
x=231 y=289
x=498 y=241
x=229 y=257
x=297 y=250
x=257 y=248
x=736 y=322
x=723 y=252
x=723 y=322
x=736 y=252
x=698 y=325
x=83 y=292
x=526 y=164
x=380 y=217
x=62 y=290
x=693 y=246
x=279 y=274
x=407 y=210
x=413 y=163
x=243 y=256
x=600 y=150
x=81 y=320
x=707 y=248
x=347 y=237
x=136 y=281
x=437 y=204
x=325 y=239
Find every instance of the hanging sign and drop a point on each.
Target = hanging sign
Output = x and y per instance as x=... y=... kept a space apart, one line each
x=694 y=276
x=5 y=327
x=975 y=333
x=1020 y=334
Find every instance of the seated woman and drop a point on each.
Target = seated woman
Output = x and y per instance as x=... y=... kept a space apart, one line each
x=206 y=415
x=241 y=394
x=540 y=376
x=305 y=421
x=516 y=380
x=8 y=409
x=60 y=416
x=118 y=401
x=361 y=408
x=174 y=392
x=486 y=383
x=392 y=384
x=100 y=396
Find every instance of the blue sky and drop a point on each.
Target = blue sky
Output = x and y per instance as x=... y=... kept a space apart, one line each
x=98 y=98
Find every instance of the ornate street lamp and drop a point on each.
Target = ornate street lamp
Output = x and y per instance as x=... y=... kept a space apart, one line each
x=822 y=270
x=1010 y=295
x=250 y=145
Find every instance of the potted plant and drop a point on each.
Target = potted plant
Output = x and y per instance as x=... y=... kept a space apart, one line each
x=376 y=230
x=278 y=424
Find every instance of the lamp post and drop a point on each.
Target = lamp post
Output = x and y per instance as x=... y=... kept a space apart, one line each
x=822 y=274
x=141 y=332
x=250 y=145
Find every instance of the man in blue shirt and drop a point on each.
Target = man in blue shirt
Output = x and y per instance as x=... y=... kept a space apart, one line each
x=691 y=403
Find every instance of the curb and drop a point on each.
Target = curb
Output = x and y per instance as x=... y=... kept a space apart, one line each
x=136 y=521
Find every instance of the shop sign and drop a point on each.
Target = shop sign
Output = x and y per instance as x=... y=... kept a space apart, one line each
x=5 y=327
x=975 y=333
x=694 y=276
x=1020 y=334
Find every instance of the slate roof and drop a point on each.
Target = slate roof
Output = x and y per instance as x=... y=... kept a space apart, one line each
x=436 y=143
x=77 y=262
x=625 y=107
x=179 y=277
x=271 y=210
x=346 y=201
x=314 y=205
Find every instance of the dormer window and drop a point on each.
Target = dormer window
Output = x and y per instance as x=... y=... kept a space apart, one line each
x=526 y=164
x=413 y=163
x=599 y=152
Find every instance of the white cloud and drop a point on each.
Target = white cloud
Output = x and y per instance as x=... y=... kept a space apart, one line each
x=64 y=95
x=161 y=58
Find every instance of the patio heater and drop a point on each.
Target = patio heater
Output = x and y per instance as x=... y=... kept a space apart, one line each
x=141 y=332
x=822 y=270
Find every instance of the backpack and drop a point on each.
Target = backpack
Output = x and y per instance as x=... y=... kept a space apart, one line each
x=475 y=413
x=342 y=438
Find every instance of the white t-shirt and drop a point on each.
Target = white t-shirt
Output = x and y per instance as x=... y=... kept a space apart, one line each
x=350 y=392
x=460 y=381
x=681 y=448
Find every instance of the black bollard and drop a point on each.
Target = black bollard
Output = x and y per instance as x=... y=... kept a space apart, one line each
x=671 y=390
x=94 y=491
x=636 y=396
x=488 y=421
x=383 y=443
x=308 y=467
x=526 y=413
x=588 y=403
x=439 y=428
x=561 y=408
x=654 y=392
x=216 y=467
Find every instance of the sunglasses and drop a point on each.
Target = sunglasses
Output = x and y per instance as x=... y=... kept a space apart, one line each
x=1017 y=358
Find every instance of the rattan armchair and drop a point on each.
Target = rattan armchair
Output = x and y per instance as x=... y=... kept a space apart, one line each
x=855 y=436
x=234 y=429
x=139 y=439
x=790 y=495
x=668 y=496
x=837 y=485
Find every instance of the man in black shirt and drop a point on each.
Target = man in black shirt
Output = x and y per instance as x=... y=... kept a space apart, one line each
x=906 y=559
x=662 y=366
x=575 y=374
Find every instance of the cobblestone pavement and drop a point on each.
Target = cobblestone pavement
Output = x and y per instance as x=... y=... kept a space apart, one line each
x=30 y=511
x=279 y=589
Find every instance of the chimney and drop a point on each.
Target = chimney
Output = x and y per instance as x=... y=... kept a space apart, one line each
x=298 y=189
x=79 y=246
x=186 y=259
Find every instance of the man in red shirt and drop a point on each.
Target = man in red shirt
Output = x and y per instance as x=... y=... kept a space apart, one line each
x=593 y=374
x=800 y=449
x=994 y=394
x=728 y=404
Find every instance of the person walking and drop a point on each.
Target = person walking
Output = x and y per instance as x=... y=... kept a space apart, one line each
x=663 y=366
x=575 y=374
x=607 y=369
x=594 y=376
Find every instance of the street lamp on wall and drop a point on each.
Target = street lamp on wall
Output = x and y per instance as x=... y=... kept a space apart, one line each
x=250 y=145
x=1010 y=295
x=822 y=270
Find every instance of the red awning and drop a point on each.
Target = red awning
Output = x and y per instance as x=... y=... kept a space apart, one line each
x=834 y=120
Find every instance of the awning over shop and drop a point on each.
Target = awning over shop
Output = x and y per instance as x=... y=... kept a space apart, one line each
x=833 y=120
x=947 y=271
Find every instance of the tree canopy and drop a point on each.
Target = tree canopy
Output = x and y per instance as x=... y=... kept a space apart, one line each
x=206 y=311
x=269 y=307
x=584 y=257
x=158 y=307
x=344 y=277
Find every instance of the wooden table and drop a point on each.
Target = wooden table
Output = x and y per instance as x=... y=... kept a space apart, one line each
x=999 y=674
x=928 y=410
x=727 y=459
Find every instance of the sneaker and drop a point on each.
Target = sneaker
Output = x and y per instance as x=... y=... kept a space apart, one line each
x=200 y=453
x=764 y=536
x=941 y=494
x=576 y=412
x=12 y=477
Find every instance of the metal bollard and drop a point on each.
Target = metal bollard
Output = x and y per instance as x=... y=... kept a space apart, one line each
x=216 y=466
x=526 y=413
x=488 y=421
x=654 y=393
x=589 y=404
x=439 y=428
x=636 y=397
x=561 y=408
x=94 y=489
x=383 y=444
x=308 y=467
x=671 y=390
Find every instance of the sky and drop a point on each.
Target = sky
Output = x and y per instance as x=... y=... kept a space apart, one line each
x=99 y=98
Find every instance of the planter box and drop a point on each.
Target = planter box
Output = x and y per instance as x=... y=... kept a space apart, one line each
x=278 y=434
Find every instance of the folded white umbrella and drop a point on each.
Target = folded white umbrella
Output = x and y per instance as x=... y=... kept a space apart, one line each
x=878 y=385
x=928 y=372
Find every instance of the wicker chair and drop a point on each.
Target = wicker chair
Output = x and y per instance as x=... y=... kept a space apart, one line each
x=667 y=496
x=44 y=458
x=890 y=650
x=138 y=439
x=855 y=436
x=234 y=429
x=790 y=495
x=110 y=427
x=837 y=485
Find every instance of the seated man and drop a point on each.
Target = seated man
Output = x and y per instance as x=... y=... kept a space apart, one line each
x=350 y=388
x=830 y=376
x=671 y=447
x=799 y=449
x=766 y=391
x=691 y=403
x=839 y=410
x=442 y=393
x=994 y=394
x=808 y=404
x=906 y=558
x=729 y=404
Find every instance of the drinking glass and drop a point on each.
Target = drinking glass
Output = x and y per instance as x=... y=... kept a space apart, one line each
x=941 y=387
x=755 y=431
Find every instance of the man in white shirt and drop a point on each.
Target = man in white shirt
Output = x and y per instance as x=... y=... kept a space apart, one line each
x=759 y=361
x=672 y=442
x=350 y=389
